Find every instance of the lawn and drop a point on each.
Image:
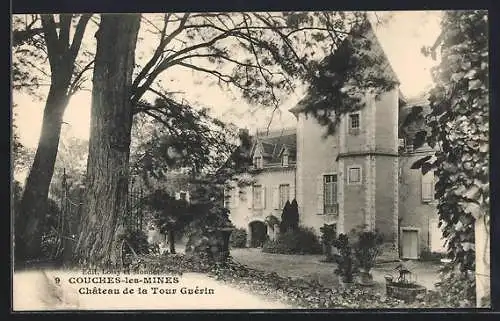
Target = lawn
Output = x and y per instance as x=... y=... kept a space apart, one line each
x=310 y=267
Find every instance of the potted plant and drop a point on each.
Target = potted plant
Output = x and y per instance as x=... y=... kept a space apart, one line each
x=327 y=237
x=346 y=268
x=367 y=248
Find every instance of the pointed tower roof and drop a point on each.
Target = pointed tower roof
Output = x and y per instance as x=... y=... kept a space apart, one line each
x=362 y=32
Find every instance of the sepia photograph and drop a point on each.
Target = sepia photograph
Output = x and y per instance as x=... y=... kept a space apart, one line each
x=250 y=160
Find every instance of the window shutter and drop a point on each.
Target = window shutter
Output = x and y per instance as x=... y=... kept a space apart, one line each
x=276 y=198
x=224 y=198
x=292 y=192
x=427 y=187
x=250 y=197
x=263 y=197
x=177 y=195
x=319 y=192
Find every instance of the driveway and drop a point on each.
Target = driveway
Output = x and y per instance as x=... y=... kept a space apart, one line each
x=310 y=267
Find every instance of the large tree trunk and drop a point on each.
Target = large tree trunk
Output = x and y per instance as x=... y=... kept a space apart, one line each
x=34 y=201
x=171 y=240
x=61 y=55
x=109 y=145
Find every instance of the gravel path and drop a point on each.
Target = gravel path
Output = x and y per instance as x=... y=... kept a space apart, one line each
x=37 y=290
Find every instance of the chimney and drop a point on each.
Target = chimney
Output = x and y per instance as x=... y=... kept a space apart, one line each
x=244 y=136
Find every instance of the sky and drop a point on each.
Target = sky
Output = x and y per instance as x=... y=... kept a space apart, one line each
x=402 y=36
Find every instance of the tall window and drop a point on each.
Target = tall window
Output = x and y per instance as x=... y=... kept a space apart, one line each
x=354 y=121
x=354 y=175
x=330 y=194
x=284 y=191
x=257 y=196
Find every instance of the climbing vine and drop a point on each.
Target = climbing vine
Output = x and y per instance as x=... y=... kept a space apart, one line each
x=458 y=129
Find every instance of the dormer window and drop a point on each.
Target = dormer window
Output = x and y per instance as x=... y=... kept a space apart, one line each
x=284 y=159
x=401 y=143
x=258 y=162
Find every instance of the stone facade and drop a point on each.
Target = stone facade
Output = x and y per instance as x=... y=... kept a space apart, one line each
x=373 y=184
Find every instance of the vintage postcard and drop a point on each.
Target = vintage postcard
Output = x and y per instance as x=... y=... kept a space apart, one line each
x=250 y=160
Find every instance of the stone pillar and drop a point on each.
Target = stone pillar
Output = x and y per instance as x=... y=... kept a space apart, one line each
x=276 y=231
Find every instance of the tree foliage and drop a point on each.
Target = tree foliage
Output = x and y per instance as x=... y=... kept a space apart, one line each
x=169 y=213
x=259 y=54
x=458 y=129
x=344 y=77
x=179 y=136
x=43 y=50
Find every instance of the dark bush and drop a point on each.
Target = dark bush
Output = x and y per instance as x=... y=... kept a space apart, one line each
x=290 y=216
x=238 y=238
x=367 y=247
x=431 y=256
x=300 y=241
x=137 y=240
x=328 y=235
x=285 y=218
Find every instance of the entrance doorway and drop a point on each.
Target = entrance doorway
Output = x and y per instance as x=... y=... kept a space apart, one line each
x=409 y=244
x=258 y=233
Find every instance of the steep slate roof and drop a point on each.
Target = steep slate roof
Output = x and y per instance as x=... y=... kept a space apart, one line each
x=274 y=142
x=406 y=109
x=409 y=130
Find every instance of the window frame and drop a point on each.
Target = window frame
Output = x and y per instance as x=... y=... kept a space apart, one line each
x=258 y=161
x=285 y=160
x=281 y=204
x=255 y=204
x=349 y=121
x=334 y=204
x=349 y=168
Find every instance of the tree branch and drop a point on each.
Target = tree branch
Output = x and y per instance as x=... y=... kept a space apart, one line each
x=74 y=84
x=65 y=25
x=269 y=84
x=143 y=74
x=51 y=41
x=77 y=38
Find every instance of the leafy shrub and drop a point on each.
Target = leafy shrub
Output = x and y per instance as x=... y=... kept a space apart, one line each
x=328 y=234
x=457 y=289
x=272 y=220
x=431 y=256
x=299 y=241
x=238 y=238
x=138 y=240
x=367 y=248
x=346 y=267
